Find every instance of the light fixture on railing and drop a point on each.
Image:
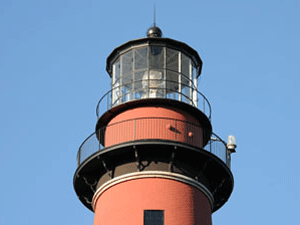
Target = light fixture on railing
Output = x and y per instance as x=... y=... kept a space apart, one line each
x=231 y=145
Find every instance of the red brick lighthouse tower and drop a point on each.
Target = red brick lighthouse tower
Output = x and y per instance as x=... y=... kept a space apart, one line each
x=153 y=158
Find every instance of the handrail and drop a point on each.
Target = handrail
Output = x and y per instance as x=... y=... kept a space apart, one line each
x=106 y=101
x=219 y=148
x=92 y=144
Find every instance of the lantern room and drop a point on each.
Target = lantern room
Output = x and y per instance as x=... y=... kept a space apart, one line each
x=154 y=67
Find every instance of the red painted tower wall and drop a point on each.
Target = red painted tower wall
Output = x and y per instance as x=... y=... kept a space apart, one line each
x=125 y=202
x=146 y=123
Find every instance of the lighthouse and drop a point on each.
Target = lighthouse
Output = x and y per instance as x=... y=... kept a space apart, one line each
x=153 y=158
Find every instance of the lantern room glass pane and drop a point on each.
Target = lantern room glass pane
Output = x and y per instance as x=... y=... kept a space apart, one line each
x=185 y=90
x=185 y=70
x=116 y=71
x=172 y=81
x=127 y=64
x=156 y=57
x=140 y=58
x=172 y=65
x=185 y=65
x=172 y=60
x=116 y=83
x=139 y=91
x=126 y=75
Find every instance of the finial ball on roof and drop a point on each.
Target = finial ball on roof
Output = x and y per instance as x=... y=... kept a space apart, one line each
x=154 y=32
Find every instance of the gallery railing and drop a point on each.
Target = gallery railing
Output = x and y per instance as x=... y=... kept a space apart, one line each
x=160 y=131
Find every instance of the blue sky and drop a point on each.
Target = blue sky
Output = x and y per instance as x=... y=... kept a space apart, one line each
x=52 y=74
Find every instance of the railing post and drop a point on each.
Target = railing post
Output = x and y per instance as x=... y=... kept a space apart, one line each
x=107 y=104
x=99 y=138
x=227 y=158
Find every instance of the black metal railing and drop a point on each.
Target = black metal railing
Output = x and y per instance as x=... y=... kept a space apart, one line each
x=129 y=130
x=218 y=147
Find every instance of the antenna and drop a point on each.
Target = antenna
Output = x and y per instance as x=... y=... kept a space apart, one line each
x=154 y=16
